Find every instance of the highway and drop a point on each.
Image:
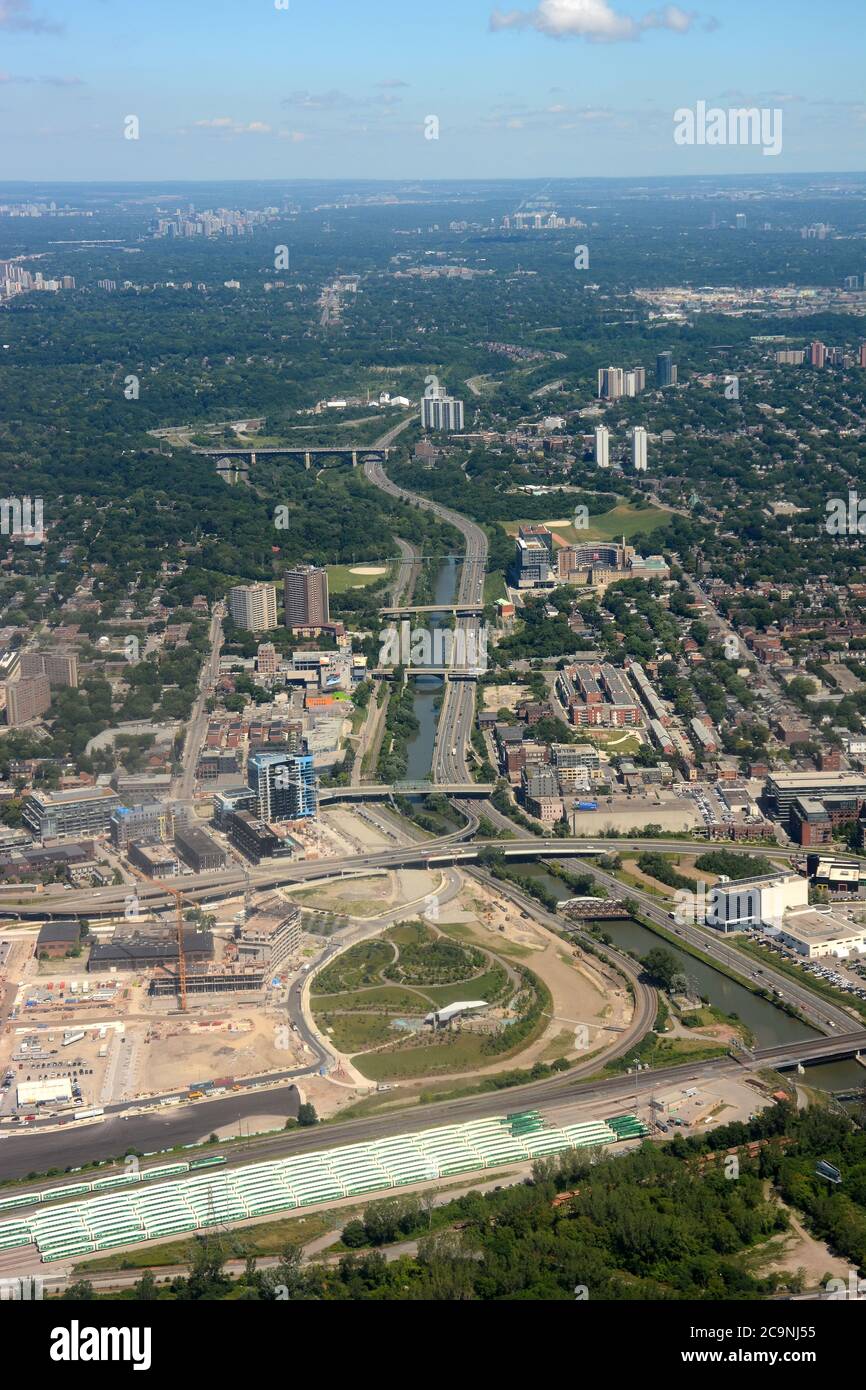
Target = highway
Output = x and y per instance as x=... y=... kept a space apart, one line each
x=458 y=697
x=407 y=573
x=34 y=1153
x=828 y=1018
x=440 y=850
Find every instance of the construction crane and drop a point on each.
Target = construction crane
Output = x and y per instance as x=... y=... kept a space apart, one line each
x=181 y=951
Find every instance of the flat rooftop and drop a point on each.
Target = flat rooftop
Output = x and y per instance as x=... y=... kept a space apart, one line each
x=819 y=928
x=816 y=779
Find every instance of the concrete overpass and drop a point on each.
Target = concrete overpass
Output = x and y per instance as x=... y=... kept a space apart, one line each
x=384 y=793
x=446 y=849
x=457 y=610
x=451 y=673
x=352 y=451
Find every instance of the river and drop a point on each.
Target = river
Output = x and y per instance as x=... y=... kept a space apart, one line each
x=428 y=689
x=769 y=1024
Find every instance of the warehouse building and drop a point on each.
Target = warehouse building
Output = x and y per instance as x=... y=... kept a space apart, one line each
x=814 y=932
x=198 y=849
x=51 y=1091
x=840 y=878
x=155 y=860
x=150 y=952
x=755 y=902
x=58 y=939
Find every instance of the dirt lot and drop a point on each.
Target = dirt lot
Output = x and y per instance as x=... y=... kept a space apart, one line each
x=584 y=993
x=237 y=1041
x=497 y=697
x=370 y=897
x=800 y=1251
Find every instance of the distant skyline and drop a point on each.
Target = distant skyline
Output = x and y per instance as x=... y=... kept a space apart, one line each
x=330 y=89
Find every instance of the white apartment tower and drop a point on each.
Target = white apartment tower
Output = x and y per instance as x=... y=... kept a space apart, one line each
x=602 y=446
x=254 y=607
x=639 y=449
x=442 y=413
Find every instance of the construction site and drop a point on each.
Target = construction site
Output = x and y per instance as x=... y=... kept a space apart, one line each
x=147 y=1007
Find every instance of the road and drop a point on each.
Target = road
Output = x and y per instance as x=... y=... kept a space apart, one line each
x=196 y=730
x=407 y=573
x=35 y=1153
x=458 y=699
x=828 y=1018
x=208 y=887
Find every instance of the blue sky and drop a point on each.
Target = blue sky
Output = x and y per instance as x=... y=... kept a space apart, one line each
x=337 y=88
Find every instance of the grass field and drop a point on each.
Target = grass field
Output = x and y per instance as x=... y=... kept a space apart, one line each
x=479 y=988
x=393 y=998
x=350 y=1031
x=270 y=1238
x=625 y=745
x=622 y=520
x=463 y=1052
x=341 y=578
x=494 y=587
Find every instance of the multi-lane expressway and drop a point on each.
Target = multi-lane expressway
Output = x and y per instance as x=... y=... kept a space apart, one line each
x=458 y=698
x=436 y=852
x=449 y=767
x=33 y=1153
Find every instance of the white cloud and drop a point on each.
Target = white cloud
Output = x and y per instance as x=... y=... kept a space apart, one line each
x=8 y=78
x=17 y=15
x=320 y=101
x=226 y=123
x=595 y=20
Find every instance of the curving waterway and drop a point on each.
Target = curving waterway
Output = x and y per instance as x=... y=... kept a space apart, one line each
x=428 y=689
x=769 y=1024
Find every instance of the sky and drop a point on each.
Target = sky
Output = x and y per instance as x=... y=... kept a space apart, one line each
x=423 y=89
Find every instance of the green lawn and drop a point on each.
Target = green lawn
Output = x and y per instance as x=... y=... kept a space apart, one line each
x=622 y=744
x=270 y=1238
x=494 y=587
x=462 y=1053
x=395 y=998
x=349 y=1031
x=480 y=988
x=341 y=578
x=622 y=520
